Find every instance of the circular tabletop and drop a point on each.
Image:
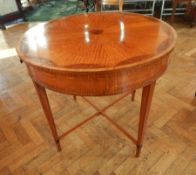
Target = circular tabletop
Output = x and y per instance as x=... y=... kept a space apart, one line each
x=96 y=42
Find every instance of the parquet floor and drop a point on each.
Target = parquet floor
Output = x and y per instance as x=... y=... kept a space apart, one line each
x=97 y=148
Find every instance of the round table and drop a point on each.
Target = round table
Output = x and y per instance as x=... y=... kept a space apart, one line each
x=98 y=54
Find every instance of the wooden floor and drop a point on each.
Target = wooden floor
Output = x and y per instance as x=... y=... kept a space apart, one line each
x=98 y=148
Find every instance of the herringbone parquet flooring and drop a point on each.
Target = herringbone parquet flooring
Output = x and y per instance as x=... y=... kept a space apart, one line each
x=98 y=148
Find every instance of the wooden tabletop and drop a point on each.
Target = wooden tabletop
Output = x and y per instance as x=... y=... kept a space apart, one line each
x=98 y=42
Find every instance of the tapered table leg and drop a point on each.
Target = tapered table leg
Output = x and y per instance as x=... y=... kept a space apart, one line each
x=147 y=93
x=48 y=113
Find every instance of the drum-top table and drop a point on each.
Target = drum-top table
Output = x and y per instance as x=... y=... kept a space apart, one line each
x=98 y=54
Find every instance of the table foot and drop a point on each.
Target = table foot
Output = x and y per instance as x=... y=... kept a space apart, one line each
x=74 y=97
x=138 y=150
x=133 y=95
x=58 y=145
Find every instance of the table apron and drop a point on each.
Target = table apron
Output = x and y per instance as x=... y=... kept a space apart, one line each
x=99 y=83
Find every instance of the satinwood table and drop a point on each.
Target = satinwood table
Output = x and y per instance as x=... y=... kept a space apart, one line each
x=98 y=54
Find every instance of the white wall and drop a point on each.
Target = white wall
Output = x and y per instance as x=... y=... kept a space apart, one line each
x=7 y=6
